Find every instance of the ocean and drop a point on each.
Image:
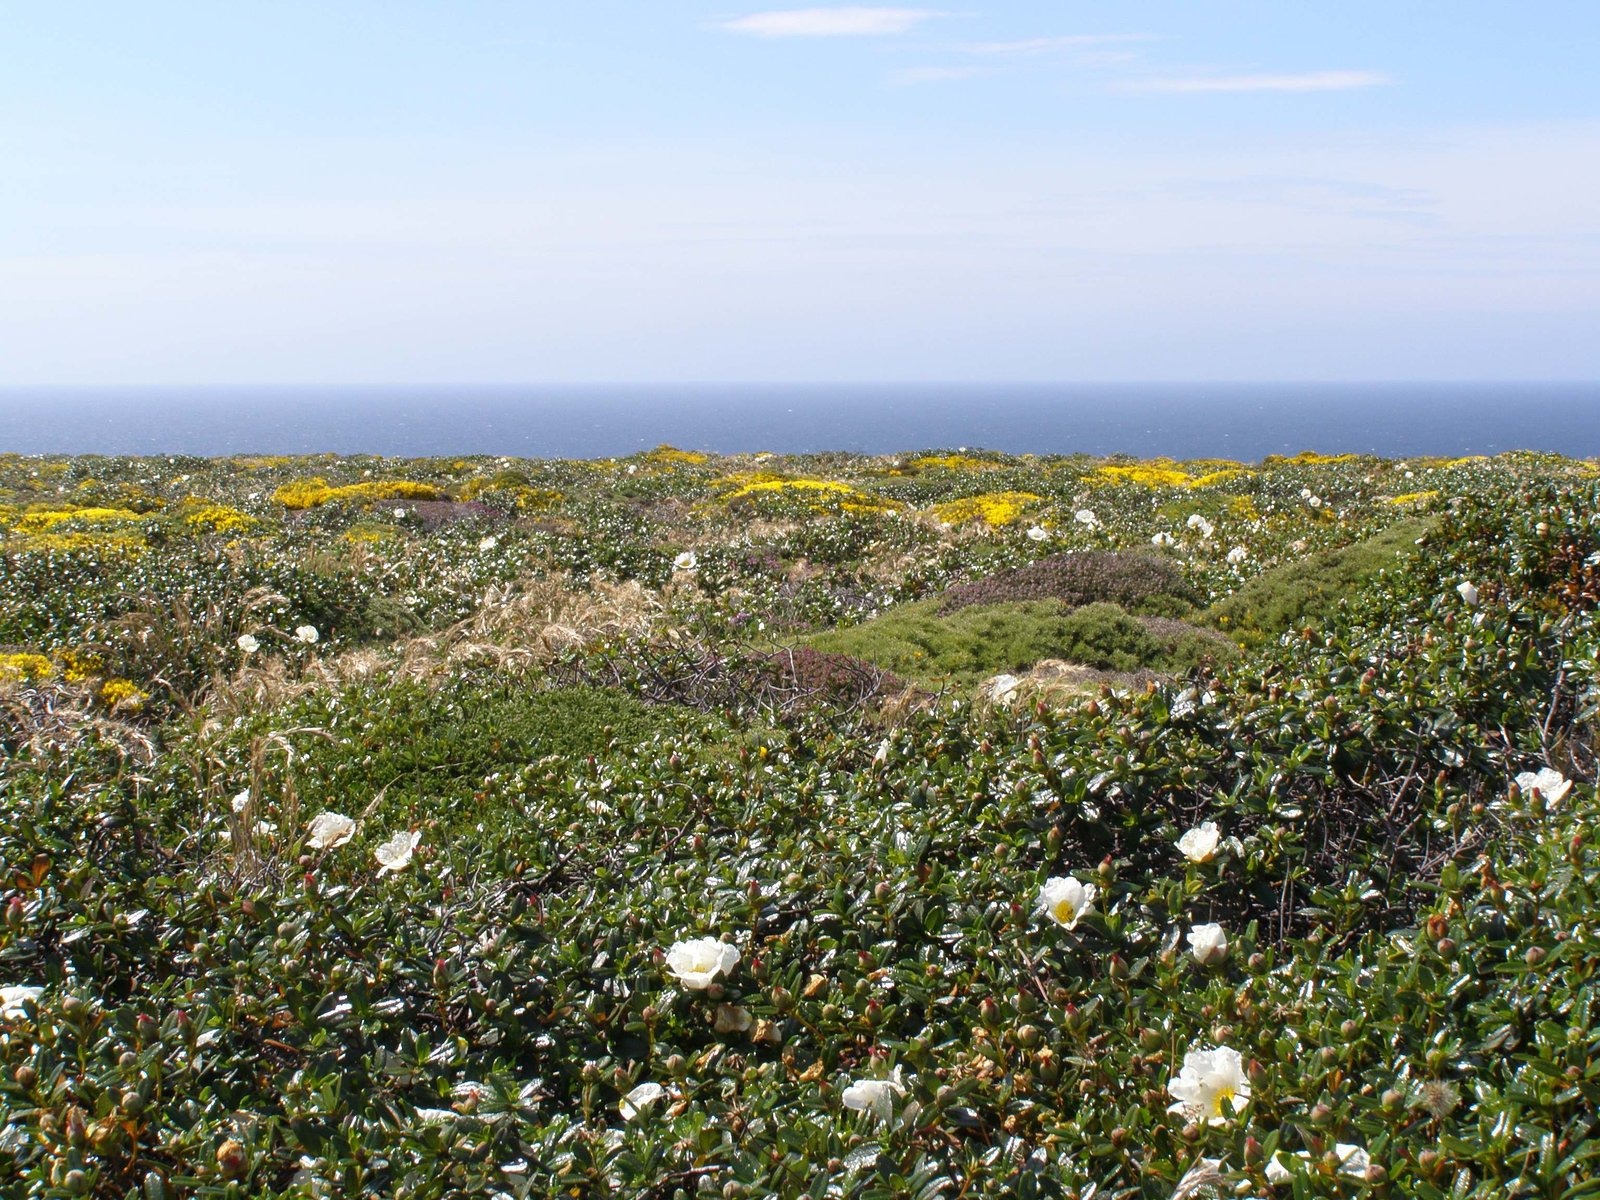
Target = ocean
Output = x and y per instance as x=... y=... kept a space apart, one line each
x=1236 y=421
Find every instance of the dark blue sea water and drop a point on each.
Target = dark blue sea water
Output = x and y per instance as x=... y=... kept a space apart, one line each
x=1239 y=421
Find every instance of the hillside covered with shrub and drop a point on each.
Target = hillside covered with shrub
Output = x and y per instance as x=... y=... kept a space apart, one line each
x=937 y=825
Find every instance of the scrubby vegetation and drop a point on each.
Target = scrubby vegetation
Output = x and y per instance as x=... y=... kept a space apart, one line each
x=922 y=643
x=821 y=826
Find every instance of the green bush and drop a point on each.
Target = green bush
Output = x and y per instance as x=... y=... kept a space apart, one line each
x=1307 y=591
x=922 y=643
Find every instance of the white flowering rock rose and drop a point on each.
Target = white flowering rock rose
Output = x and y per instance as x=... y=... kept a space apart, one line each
x=1238 y=554
x=241 y=800
x=1038 y=533
x=1001 y=689
x=14 y=997
x=1212 y=1086
x=1469 y=593
x=686 y=562
x=330 y=829
x=1354 y=1161
x=1549 y=783
x=1208 y=944
x=1065 y=900
x=307 y=634
x=698 y=963
x=1200 y=844
x=637 y=1102
x=1162 y=539
x=395 y=854
x=488 y=543
x=876 y=1096
x=1085 y=516
x=247 y=643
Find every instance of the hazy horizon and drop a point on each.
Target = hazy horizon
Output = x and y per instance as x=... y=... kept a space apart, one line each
x=485 y=193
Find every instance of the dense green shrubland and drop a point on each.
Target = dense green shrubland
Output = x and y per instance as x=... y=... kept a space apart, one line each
x=595 y=773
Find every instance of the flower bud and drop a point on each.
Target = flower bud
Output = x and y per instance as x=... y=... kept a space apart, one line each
x=1117 y=968
x=1428 y=1162
x=989 y=1011
x=14 y=914
x=1119 y=1137
x=1447 y=947
x=26 y=1076
x=231 y=1160
x=1029 y=1036
x=147 y=1028
x=1348 y=1030
x=1254 y=1152
x=1256 y=1073
x=1392 y=1100
x=1150 y=1039
x=1321 y=1114
x=1534 y=956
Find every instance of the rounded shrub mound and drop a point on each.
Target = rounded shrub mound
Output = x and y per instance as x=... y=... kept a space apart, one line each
x=1137 y=582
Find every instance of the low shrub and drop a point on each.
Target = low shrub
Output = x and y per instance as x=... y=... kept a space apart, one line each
x=932 y=647
x=1136 y=582
x=1306 y=591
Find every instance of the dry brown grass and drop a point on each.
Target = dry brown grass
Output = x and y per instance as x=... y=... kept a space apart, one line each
x=46 y=719
x=520 y=627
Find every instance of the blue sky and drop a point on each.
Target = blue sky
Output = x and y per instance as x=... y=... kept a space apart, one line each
x=495 y=191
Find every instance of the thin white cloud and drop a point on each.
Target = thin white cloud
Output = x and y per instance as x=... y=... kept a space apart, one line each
x=829 y=22
x=1029 y=47
x=1309 y=81
x=915 y=75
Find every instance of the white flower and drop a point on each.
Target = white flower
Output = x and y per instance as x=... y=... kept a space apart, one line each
x=1038 y=533
x=1085 y=516
x=247 y=643
x=1002 y=689
x=1552 y=784
x=1305 y=493
x=488 y=543
x=14 y=997
x=1065 y=900
x=874 y=1095
x=1238 y=554
x=1211 y=1087
x=1200 y=843
x=1316 y=502
x=1353 y=1161
x=1208 y=944
x=395 y=854
x=1196 y=521
x=633 y=1105
x=1469 y=593
x=698 y=963
x=242 y=799
x=307 y=634
x=1162 y=539
x=730 y=1018
x=330 y=829
x=686 y=562
x=399 y=512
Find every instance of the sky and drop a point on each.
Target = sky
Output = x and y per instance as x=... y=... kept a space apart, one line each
x=345 y=191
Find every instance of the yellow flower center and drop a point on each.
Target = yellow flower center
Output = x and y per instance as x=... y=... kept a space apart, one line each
x=1065 y=912
x=1223 y=1102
